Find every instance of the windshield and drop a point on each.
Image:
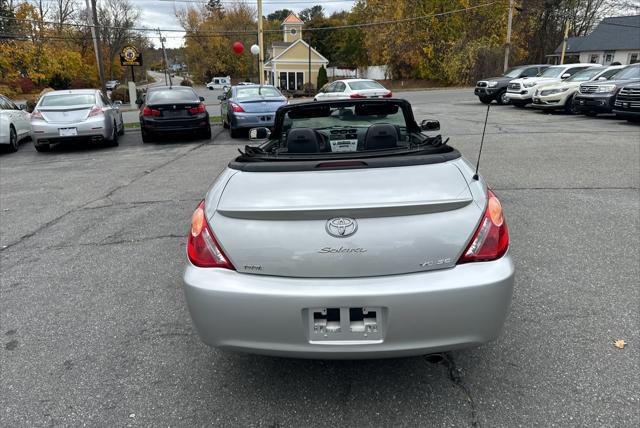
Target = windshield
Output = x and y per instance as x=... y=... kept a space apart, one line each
x=514 y=72
x=66 y=100
x=365 y=84
x=629 y=73
x=256 y=91
x=584 y=75
x=552 y=72
x=175 y=95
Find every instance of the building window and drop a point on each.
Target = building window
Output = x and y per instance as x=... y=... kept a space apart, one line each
x=608 y=58
x=299 y=80
x=594 y=58
x=283 y=80
x=293 y=31
x=291 y=80
x=633 y=58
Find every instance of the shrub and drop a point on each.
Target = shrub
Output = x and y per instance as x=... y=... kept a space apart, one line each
x=322 y=77
x=121 y=93
x=26 y=85
x=58 y=81
x=186 y=82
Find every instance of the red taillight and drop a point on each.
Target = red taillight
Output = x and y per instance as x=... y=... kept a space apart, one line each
x=200 y=109
x=36 y=115
x=357 y=96
x=96 y=111
x=237 y=108
x=202 y=248
x=389 y=95
x=491 y=239
x=147 y=111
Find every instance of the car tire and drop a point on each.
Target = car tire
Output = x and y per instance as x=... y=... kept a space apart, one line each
x=42 y=147
x=502 y=99
x=235 y=132
x=206 y=133
x=13 y=140
x=519 y=104
x=570 y=107
x=146 y=137
x=485 y=100
x=113 y=141
x=590 y=113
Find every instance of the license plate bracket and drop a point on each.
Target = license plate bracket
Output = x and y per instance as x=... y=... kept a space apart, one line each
x=345 y=324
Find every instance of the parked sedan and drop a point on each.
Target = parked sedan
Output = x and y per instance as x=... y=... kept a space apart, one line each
x=72 y=115
x=172 y=109
x=598 y=97
x=350 y=233
x=495 y=88
x=558 y=96
x=15 y=124
x=352 y=88
x=247 y=106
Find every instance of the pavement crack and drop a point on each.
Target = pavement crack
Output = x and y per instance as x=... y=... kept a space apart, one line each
x=455 y=375
x=108 y=195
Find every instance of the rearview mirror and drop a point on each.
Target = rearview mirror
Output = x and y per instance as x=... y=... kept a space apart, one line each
x=430 y=125
x=259 y=133
x=221 y=97
x=565 y=75
x=201 y=98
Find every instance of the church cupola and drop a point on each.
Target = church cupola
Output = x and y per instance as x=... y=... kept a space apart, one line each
x=292 y=27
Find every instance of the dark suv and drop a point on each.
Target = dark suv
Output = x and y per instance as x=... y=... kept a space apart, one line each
x=494 y=88
x=598 y=97
x=627 y=103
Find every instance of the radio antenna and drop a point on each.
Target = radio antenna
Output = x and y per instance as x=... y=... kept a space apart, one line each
x=484 y=129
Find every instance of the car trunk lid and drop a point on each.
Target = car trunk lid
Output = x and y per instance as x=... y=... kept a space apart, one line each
x=67 y=114
x=345 y=223
x=261 y=105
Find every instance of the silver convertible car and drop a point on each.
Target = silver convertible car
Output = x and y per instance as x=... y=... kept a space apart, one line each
x=351 y=232
x=72 y=115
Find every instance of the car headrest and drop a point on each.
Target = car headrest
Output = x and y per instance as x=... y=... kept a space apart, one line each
x=381 y=136
x=302 y=140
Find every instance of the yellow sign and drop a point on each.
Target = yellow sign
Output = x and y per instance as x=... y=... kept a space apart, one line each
x=130 y=56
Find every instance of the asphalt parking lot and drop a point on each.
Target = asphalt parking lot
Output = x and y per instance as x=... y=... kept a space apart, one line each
x=95 y=329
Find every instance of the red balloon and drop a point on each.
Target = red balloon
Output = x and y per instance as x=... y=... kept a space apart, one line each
x=238 y=47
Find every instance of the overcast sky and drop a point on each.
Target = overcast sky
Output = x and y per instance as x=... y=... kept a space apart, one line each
x=162 y=13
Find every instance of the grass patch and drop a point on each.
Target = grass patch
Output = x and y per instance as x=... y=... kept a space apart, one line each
x=136 y=125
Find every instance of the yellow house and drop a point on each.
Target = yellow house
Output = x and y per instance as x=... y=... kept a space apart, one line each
x=292 y=63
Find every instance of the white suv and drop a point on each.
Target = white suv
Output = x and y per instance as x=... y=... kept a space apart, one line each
x=520 y=91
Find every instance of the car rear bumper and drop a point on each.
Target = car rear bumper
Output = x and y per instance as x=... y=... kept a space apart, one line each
x=90 y=129
x=252 y=120
x=175 y=125
x=422 y=312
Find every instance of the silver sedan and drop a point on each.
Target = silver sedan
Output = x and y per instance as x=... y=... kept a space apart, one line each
x=78 y=114
x=248 y=106
x=353 y=232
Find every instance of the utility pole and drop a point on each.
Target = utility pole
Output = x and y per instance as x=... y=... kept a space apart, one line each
x=507 y=47
x=166 y=61
x=564 y=42
x=95 y=34
x=260 y=44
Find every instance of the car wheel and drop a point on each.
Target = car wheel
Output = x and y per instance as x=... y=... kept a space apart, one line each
x=518 y=104
x=570 y=107
x=42 y=147
x=591 y=113
x=485 y=100
x=210 y=88
x=206 y=133
x=13 y=140
x=146 y=137
x=113 y=141
x=502 y=98
x=235 y=132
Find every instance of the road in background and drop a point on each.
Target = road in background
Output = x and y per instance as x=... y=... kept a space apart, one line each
x=95 y=329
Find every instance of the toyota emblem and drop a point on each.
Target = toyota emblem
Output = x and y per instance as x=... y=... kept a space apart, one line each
x=341 y=227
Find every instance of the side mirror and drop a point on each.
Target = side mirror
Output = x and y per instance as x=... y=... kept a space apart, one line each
x=259 y=133
x=565 y=75
x=22 y=106
x=220 y=97
x=430 y=125
x=201 y=98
